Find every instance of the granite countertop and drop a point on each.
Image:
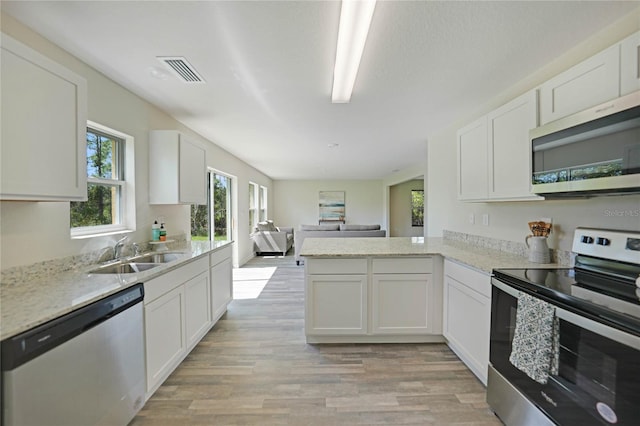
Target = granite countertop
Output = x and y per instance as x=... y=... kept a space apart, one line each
x=30 y=303
x=482 y=259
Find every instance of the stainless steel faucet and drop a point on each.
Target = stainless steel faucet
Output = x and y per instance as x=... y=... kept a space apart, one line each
x=117 y=249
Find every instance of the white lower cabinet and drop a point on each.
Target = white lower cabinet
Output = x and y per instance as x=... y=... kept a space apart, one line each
x=180 y=307
x=165 y=336
x=336 y=304
x=371 y=300
x=401 y=303
x=467 y=316
x=198 y=308
x=221 y=272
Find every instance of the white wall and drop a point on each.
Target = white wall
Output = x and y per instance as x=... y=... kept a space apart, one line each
x=33 y=232
x=508 y=221
x=296 y=202
x=400 y=209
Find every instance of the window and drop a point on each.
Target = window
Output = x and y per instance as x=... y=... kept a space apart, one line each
x=110 y=205
x=263 y=203
x=222 y=214
x=200 y=220
x=217 y=211
x=417 y=207
x=253 y=207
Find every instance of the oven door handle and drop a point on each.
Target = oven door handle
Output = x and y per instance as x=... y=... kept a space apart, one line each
x=580 y=321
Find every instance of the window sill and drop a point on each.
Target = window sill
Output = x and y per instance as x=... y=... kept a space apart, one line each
x=93 y=232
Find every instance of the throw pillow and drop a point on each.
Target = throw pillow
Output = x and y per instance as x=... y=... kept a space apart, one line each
x=267 y=226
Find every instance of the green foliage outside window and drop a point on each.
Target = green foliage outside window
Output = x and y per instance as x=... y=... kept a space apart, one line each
x=102 y=196
x=200 y=214
x=417 y=207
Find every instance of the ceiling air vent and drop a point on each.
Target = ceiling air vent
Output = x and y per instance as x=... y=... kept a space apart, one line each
x=181 y=68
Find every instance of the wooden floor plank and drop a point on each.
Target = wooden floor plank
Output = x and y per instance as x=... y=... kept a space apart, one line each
x=255 y=368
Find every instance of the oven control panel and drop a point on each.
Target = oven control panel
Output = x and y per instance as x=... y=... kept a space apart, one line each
x=623 y=246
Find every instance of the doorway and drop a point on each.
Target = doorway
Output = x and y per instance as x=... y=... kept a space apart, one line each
x=406 y=208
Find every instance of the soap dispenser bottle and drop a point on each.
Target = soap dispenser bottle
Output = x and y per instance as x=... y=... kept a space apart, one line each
x=155 y=231
x=163 y=233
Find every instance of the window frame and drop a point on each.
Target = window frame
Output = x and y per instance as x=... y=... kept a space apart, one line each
x=253 y=206
x=125 y=164
x=262 y=206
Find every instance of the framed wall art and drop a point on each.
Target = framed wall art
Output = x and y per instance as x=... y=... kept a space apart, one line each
x=332 y=206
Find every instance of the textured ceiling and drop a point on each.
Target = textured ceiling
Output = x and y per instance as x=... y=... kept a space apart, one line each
x=268 y=68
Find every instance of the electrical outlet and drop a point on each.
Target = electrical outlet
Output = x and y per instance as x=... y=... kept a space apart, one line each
x=472 y=218
x=485 y=219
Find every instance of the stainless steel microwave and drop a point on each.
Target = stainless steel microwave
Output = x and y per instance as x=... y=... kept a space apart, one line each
x=593 y=152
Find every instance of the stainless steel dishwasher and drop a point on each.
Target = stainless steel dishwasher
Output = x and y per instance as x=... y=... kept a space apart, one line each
x=85 y=368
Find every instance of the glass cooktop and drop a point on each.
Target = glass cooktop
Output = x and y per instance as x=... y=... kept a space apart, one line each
x=600 y=296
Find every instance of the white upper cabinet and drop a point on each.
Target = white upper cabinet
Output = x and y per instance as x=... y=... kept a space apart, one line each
x=494 y=158
x=177 y=169
x=509 y=149
x=587 y=84
x=630 y=64
x=44 y=123
x=473 y=161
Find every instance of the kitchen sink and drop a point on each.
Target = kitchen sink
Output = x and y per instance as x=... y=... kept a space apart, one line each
x=124 y=268
x=160 y=257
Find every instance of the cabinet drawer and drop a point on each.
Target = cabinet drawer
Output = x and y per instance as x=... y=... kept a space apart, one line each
x=403 y=265
x=336 y=266
x=172 y=279
x=475 y=280
x=219 y=255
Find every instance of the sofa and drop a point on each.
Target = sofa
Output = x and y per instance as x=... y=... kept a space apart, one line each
x=334 y=231
x=268 y=238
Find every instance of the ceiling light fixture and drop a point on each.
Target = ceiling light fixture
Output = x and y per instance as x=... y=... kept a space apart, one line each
x=355 y=19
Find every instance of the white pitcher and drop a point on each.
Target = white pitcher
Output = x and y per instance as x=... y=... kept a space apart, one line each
x=538 y=249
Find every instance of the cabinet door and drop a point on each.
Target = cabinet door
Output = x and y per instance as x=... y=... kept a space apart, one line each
x=400 y=303
x=336 y=305
x=197 y=308
x=509 y=147
x=472 y=161
x=587 y=84
x=222 y=287
x=193 y=171
x=165 y=336
x=467 y=318
x=630 y=64
x=44 y=126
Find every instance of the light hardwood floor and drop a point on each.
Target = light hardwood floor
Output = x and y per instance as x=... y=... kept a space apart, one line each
x=254 y=368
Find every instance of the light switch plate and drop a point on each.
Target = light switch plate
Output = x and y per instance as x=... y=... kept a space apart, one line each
x=485 y=219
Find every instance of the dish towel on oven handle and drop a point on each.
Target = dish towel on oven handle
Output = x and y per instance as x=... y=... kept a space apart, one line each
x=536 y=342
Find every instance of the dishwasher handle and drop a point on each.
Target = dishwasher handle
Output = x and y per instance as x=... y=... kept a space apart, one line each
x=26 y=346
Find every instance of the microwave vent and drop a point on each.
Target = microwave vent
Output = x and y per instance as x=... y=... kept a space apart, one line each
x=183 y=69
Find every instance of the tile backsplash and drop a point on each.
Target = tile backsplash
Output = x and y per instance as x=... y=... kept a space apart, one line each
x=26 y=273
x=561 y=257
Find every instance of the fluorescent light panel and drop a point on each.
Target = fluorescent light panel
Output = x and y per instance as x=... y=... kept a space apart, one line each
x=355 y=19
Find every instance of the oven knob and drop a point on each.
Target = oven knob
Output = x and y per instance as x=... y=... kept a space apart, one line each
x=603 y=241
x=587 y=239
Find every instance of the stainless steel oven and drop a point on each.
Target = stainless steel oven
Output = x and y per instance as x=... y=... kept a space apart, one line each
x=596 y=317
